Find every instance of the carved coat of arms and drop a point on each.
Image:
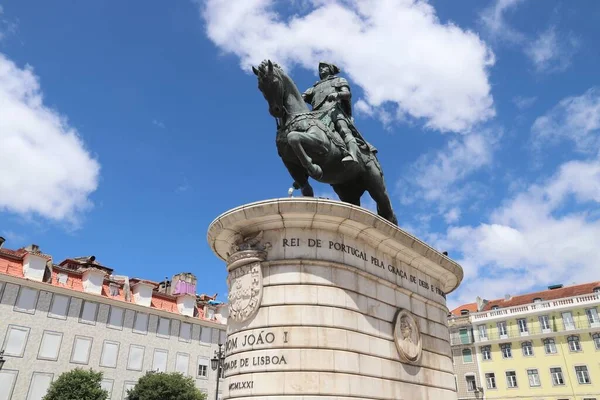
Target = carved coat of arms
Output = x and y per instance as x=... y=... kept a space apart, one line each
x=407 y=337
x=245 y=277
x=245 y=291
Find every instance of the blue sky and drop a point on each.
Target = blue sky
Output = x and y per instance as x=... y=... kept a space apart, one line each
x=115 y=118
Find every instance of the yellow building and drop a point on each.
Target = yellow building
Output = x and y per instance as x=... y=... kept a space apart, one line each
x=543 y=345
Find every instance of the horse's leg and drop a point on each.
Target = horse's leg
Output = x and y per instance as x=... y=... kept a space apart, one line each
x=377 y=189
x=314 y=140
x=298 y=173
x=348 y=193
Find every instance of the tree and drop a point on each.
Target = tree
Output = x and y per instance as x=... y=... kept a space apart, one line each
x=163 y=386
x=77 y=384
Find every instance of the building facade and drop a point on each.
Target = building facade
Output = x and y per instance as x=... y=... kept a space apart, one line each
x=466 y=370
x=543 y=345
x=54 y=318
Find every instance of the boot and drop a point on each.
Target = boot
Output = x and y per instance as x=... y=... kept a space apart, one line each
x=352 y=147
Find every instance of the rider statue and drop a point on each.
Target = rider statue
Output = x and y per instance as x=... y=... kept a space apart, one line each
x=332 y=94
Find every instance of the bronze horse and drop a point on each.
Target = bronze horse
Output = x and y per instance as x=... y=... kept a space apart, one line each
x=309 y=147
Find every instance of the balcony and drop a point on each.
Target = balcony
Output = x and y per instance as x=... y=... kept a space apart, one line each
x=556 y=327
x=586 y=300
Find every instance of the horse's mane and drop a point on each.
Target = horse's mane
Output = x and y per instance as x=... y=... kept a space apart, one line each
x=263 y=67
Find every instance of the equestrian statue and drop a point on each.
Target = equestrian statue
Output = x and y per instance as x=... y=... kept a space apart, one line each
x=323 y=143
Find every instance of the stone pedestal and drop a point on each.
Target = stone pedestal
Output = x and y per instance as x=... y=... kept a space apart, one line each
x=330 y=301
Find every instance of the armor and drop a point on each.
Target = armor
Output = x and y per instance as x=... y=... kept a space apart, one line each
x=317 y=96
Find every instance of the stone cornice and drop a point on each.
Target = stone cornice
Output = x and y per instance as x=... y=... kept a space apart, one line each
x=338 y=217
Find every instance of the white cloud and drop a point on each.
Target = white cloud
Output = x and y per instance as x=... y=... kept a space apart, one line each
x=524 y=102
x=46 y=170
x=439 y=177
x=158 y=123
x=551 y=52
x=531 y=240
x=396 y=50
x=575 y=119
x=494 y=22
x=452 y=216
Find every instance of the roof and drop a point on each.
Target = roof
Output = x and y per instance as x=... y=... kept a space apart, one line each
x=528 y=298
x=11 y=264
x=567 y=291
x=472 y=307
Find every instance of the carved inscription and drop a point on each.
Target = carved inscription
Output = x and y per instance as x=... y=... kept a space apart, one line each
x=244 y=342
x=361 y=254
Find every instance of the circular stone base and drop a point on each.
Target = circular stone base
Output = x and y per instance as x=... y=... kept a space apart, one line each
x=329 y=301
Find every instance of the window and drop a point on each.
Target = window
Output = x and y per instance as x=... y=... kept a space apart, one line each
x=135 y=361
x=592 y=314
x=583 y=377
x=50 y=346
x=59 y=306
x=15 y=341
x=40 y=382
x=557 y=376
x=464 y=336
x=7 y=383
x=115 y=318
x=522 y=323
x=511 y=379
x=568 y=321
x=185 y=332
x=550 y=346
x=141 y=323
x=107 y=384
x=495 y=307
x=490 y=380
x=596 y=338
x=527 y=349
x=544 y=322
x=506 y=350
x=482 y=331
x=467 y=356
x=182 y=361
x=88 y=313
x=597 y=290
x=574 y=344
x=534 y=377
x=537 y=300
x=464 y=312
x=81 y=350
x=159 y=362
x=127 y=386
x=205 y=335
x=26 y=300
x=110 y=354
x=202 y=367
x=486 y=352
x=164 y=327
x=471 y=385
x=502 y=331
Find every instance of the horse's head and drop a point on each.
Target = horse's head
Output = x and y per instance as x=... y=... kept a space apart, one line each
x=271 y=84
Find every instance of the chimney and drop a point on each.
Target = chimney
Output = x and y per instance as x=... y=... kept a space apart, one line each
x=142 y=293
x=34 y=248
x=93 y=279
x=186 y=304
x=481 y=303
x=34 y=265
x=183 y=283
x=2 y=240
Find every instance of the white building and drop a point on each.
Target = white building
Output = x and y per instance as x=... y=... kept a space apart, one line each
x=54 y=318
